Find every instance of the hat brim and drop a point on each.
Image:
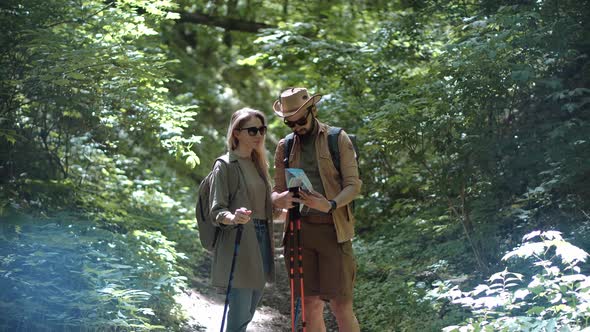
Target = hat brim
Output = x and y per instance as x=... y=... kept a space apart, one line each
x=278 y=111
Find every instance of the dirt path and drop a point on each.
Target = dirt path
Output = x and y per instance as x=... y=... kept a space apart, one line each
x=205 y=305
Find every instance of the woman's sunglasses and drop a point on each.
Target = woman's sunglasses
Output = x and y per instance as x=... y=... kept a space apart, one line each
x=253 y=131
x=301 y=122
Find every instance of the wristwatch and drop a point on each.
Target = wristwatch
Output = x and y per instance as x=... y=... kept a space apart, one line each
x=333 y=206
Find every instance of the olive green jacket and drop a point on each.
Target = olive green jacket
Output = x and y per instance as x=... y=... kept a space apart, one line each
x=249 y=271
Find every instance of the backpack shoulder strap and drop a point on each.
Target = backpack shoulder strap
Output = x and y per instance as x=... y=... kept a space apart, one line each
x=224 y=158
x=234 y=176
x=333 y=133
x=287 y=145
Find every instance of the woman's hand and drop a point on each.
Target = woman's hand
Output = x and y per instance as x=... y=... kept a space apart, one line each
x=241 y=216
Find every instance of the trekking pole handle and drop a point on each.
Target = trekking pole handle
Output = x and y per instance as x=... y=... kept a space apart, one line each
x=295 y=191
x=294 y=211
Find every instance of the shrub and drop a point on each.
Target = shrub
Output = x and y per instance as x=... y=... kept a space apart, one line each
x=553 y=295
x=67 y=274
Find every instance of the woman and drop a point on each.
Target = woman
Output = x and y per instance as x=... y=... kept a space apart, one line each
x=250 y=207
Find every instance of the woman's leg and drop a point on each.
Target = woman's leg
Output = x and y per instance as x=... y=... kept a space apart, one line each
x=264 y=244
x=242 y=306
x=244 y=301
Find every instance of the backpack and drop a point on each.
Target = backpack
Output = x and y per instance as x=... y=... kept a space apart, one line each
x=207 y=230
x=333 y=133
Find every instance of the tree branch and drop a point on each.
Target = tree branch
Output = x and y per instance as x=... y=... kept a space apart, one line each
x=226 y=23
x=77 y=20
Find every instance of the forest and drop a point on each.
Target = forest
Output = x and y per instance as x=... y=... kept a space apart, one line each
x=473 y=125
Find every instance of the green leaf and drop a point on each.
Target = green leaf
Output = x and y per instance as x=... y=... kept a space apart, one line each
x=172 y=16
x=521 y=75
x=77 y=76
x=62 y=82
x=569 y=253
x=536 y=310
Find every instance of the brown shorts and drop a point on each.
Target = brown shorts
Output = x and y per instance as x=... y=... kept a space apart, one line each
x=329 y=267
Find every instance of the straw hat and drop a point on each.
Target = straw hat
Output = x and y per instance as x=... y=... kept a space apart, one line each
x=293 y=100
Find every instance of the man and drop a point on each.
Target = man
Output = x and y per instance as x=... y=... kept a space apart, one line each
x=327 y=225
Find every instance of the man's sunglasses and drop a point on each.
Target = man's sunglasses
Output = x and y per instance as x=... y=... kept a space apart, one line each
x=253 y=131
x=301 y=122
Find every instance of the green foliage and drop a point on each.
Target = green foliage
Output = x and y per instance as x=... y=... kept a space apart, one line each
x=553 y=296
x=66 y=273
x=87 y=125
x=94 y=70
x=477 y=125
x=396 y=271
x=471 y=116
x=462 y=112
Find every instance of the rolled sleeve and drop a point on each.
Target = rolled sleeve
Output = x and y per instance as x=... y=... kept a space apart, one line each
x=280 y=184
x=219 y=194
x=348 y=164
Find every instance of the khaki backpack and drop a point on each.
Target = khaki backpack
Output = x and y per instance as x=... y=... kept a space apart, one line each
x=207 y=230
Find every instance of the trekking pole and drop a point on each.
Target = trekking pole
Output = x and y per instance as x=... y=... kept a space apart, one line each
x=292 y=262
x=231 y=273
x=295 y=218
x=300 y=263
x=297 y=309
x=293 y=212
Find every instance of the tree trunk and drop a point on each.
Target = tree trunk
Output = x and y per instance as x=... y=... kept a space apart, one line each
x=468 y=228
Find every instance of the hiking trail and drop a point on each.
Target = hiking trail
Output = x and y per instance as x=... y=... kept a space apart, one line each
x=204 y=304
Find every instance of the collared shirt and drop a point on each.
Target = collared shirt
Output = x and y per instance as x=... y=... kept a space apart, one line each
x=342 y=190
x=309 y=163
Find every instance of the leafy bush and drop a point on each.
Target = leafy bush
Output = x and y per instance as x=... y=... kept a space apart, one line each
x=68 y=274
x=553 y=296
x=395 y=271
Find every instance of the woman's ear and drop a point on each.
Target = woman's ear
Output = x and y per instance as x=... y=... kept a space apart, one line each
x=235 y=137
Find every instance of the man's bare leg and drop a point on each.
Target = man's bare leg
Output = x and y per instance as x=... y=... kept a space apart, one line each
x=314 y=314
x=342 y=310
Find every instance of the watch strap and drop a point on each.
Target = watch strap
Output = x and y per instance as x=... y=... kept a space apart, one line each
x=333 y=206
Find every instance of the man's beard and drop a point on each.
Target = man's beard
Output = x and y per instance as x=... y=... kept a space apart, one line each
x=304 y=133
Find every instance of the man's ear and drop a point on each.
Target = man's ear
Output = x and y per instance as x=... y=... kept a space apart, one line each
x=314 y=110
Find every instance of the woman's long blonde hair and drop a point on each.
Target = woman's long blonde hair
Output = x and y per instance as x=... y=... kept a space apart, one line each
x=259 y=154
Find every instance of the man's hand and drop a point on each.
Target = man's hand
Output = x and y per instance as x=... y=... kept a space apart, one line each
x=314 y=200
x=283 y=200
